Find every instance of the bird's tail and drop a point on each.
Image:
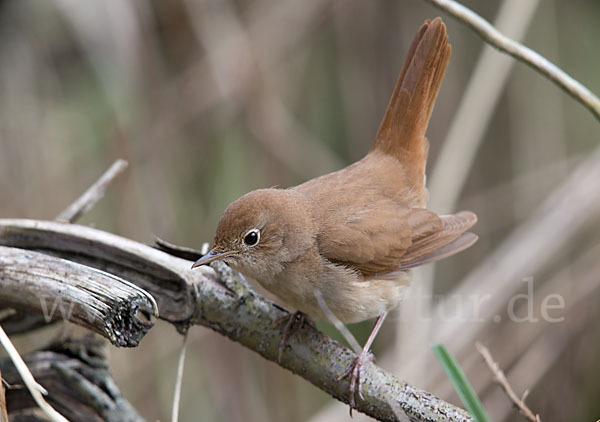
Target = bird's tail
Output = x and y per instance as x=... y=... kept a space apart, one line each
x=402 y=130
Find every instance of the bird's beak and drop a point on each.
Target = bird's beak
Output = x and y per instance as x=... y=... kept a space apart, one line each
x=212 y=256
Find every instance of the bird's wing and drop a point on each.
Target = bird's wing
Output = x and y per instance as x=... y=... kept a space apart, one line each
x=385 y=237
x=452 y=239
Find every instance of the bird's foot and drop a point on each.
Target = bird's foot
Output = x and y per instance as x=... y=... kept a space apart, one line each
x=354 y=373
x=294 y=321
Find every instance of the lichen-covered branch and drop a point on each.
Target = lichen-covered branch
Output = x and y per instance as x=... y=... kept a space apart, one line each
x=224 y=302
x=242 y=315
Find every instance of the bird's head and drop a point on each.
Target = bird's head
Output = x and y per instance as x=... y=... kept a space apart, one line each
x=262 y=231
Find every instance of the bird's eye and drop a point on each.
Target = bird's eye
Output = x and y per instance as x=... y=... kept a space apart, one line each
x=252 y=237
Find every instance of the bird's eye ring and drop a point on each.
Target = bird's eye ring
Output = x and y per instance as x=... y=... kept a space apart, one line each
x=252 y=237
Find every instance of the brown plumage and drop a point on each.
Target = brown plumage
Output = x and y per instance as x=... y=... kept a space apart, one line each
x=353 y=234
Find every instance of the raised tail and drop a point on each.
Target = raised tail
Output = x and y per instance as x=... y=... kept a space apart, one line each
x=402 y=130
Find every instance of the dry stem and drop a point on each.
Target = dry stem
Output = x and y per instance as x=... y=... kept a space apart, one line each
x=500 y=378
x=92 y=195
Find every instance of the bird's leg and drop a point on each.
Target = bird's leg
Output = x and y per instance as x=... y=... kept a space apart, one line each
x=291 y=318
x=363 y=357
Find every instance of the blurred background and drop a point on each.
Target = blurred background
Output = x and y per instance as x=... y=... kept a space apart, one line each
x=207 y=100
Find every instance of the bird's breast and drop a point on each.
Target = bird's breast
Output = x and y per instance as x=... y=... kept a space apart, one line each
x=347 y=294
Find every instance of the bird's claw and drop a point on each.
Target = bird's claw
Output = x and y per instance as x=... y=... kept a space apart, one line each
x=354 y=373
x=294 y=320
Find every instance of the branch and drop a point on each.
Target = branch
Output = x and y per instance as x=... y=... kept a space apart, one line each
x=59 y=289
x=524 y=54
x=225 y=303
x=165 y=278
x=501 y=379
x=94 y=193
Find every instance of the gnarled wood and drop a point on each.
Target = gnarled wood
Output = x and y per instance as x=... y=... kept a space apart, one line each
x=56 y=288
x=161 y=275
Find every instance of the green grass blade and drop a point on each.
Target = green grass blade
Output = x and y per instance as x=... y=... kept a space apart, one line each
x=461 y=384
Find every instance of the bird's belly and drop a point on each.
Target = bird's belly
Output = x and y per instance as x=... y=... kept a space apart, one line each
x=349 y=296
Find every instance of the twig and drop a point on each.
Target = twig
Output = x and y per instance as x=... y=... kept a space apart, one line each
x=501 y=379
x=179 y=379
x=34 y=388
x=540 y=346
x=91 y=196
x=540 y=350
x=536 y=61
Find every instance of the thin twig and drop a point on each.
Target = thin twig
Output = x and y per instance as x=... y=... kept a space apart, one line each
x=179 y=379
x=536 y=61
x=34 y=388
x=91 y=196
x=501 y=379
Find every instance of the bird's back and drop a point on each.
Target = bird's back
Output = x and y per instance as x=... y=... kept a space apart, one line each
x=377 y=176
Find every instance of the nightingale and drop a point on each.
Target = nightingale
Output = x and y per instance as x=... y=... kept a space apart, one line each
x=352 y=235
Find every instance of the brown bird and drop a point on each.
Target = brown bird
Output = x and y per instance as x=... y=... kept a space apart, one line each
x=352 y=235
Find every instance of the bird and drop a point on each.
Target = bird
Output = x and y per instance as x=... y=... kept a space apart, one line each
x=352 y=236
